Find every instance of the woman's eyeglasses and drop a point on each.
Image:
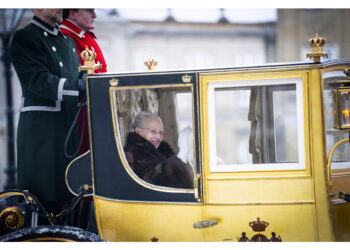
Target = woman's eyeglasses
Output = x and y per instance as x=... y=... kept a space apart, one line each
x=155 y=132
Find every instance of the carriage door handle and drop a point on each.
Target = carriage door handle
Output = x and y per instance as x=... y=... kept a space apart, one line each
x=205 y=223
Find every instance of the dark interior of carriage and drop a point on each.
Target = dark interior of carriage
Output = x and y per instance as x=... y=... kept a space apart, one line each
x=174 y=105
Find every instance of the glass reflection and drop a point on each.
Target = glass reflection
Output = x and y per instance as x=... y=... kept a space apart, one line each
x=256 y=125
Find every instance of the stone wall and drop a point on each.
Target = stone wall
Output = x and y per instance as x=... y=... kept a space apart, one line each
x=296 y=26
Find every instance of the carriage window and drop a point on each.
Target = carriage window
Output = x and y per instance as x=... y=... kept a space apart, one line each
x=256 y=125
x=341 y=157
x=153 y=151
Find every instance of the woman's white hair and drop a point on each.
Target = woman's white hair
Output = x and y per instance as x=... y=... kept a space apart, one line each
x=141 y=117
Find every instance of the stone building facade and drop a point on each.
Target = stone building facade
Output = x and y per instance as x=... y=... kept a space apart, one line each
x=294 y=27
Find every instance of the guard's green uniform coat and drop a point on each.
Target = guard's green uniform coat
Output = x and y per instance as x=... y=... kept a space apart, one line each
x=47 y=67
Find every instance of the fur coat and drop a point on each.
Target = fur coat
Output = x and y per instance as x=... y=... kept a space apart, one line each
x=159 y=166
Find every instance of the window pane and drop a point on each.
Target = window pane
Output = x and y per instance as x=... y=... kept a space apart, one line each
x=184 y=109
x=232 y=126
x=155 y=148
x=256 y=125
x=286 y=134
x=341 y=157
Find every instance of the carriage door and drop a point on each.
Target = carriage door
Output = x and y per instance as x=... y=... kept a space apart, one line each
x=132 y=205
x=254 y=160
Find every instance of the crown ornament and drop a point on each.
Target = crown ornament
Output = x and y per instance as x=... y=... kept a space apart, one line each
x=317 y=43
x=89 y=57
x=151 y=64
x=114 y=82
x=258 y=226
x=186 y=78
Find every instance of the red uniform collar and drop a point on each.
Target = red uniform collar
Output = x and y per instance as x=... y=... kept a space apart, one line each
x=70 y=26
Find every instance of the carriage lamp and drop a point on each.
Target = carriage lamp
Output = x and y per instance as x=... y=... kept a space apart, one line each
x=341 y=101
x=341 y=108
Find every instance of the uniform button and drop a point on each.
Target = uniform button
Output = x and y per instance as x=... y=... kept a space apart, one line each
x=74 y=50
x=61 y=64
x=53 y=48
x=45 y=33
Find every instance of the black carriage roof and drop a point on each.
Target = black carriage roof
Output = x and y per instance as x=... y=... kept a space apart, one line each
x=266 y=66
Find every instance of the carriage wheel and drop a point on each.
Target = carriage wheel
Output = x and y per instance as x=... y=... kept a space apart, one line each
x=52 y=234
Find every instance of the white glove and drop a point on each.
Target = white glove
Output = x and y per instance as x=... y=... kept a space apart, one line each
x=183 y=143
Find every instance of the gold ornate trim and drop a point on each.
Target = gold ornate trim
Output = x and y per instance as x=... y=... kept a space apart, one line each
x=9 y=194
x=90 y=136
x=192 y=203
x=329 y=158
x=11 y=218
x=66 y=175
x=299 y=202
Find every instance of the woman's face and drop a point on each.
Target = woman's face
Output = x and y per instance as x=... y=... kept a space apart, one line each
x=152 y=130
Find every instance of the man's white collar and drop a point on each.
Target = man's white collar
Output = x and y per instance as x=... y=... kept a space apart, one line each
x=52 y=32
x=81 y=34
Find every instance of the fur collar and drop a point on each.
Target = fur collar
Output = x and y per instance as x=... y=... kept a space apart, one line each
x=137 y=140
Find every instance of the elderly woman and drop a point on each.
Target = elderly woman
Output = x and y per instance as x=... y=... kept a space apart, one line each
x=151 y=158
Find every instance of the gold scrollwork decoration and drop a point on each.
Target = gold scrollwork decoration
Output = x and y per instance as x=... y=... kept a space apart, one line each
x=11 y=219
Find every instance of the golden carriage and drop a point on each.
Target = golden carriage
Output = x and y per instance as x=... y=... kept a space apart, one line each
x=269 y=149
